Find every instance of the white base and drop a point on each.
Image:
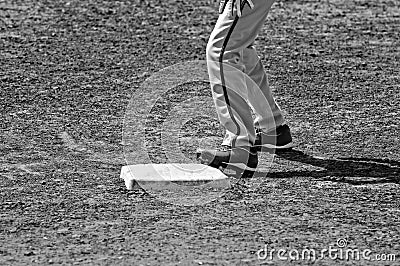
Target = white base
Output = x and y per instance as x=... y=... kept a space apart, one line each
x=160 y=176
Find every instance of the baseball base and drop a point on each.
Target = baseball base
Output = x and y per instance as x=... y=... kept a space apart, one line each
x=172 y=176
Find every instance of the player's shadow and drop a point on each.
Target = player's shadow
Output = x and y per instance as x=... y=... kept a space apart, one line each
x=350 y=170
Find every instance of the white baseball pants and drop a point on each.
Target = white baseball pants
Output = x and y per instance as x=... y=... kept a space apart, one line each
x=237 y=77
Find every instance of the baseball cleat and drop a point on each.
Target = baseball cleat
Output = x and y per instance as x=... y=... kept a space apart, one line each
x=240 y=162
x=279 y=139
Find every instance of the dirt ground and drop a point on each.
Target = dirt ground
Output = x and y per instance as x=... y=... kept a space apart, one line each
x=68 y=71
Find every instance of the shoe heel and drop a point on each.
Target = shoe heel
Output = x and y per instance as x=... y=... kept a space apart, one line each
x=238 y=171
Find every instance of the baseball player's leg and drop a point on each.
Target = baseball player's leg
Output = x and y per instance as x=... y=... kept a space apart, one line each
x=268 y=116
x=225 y=51
x=273 y=132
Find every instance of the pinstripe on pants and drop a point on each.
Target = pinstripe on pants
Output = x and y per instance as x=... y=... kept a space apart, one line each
x=237 y=76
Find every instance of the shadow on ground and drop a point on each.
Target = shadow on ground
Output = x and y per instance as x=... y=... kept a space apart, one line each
x=356 y=171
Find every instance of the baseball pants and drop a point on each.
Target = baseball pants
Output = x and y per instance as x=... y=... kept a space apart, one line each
x=237 y=77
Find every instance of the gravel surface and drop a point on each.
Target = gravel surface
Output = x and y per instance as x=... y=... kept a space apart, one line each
x=68 y=71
